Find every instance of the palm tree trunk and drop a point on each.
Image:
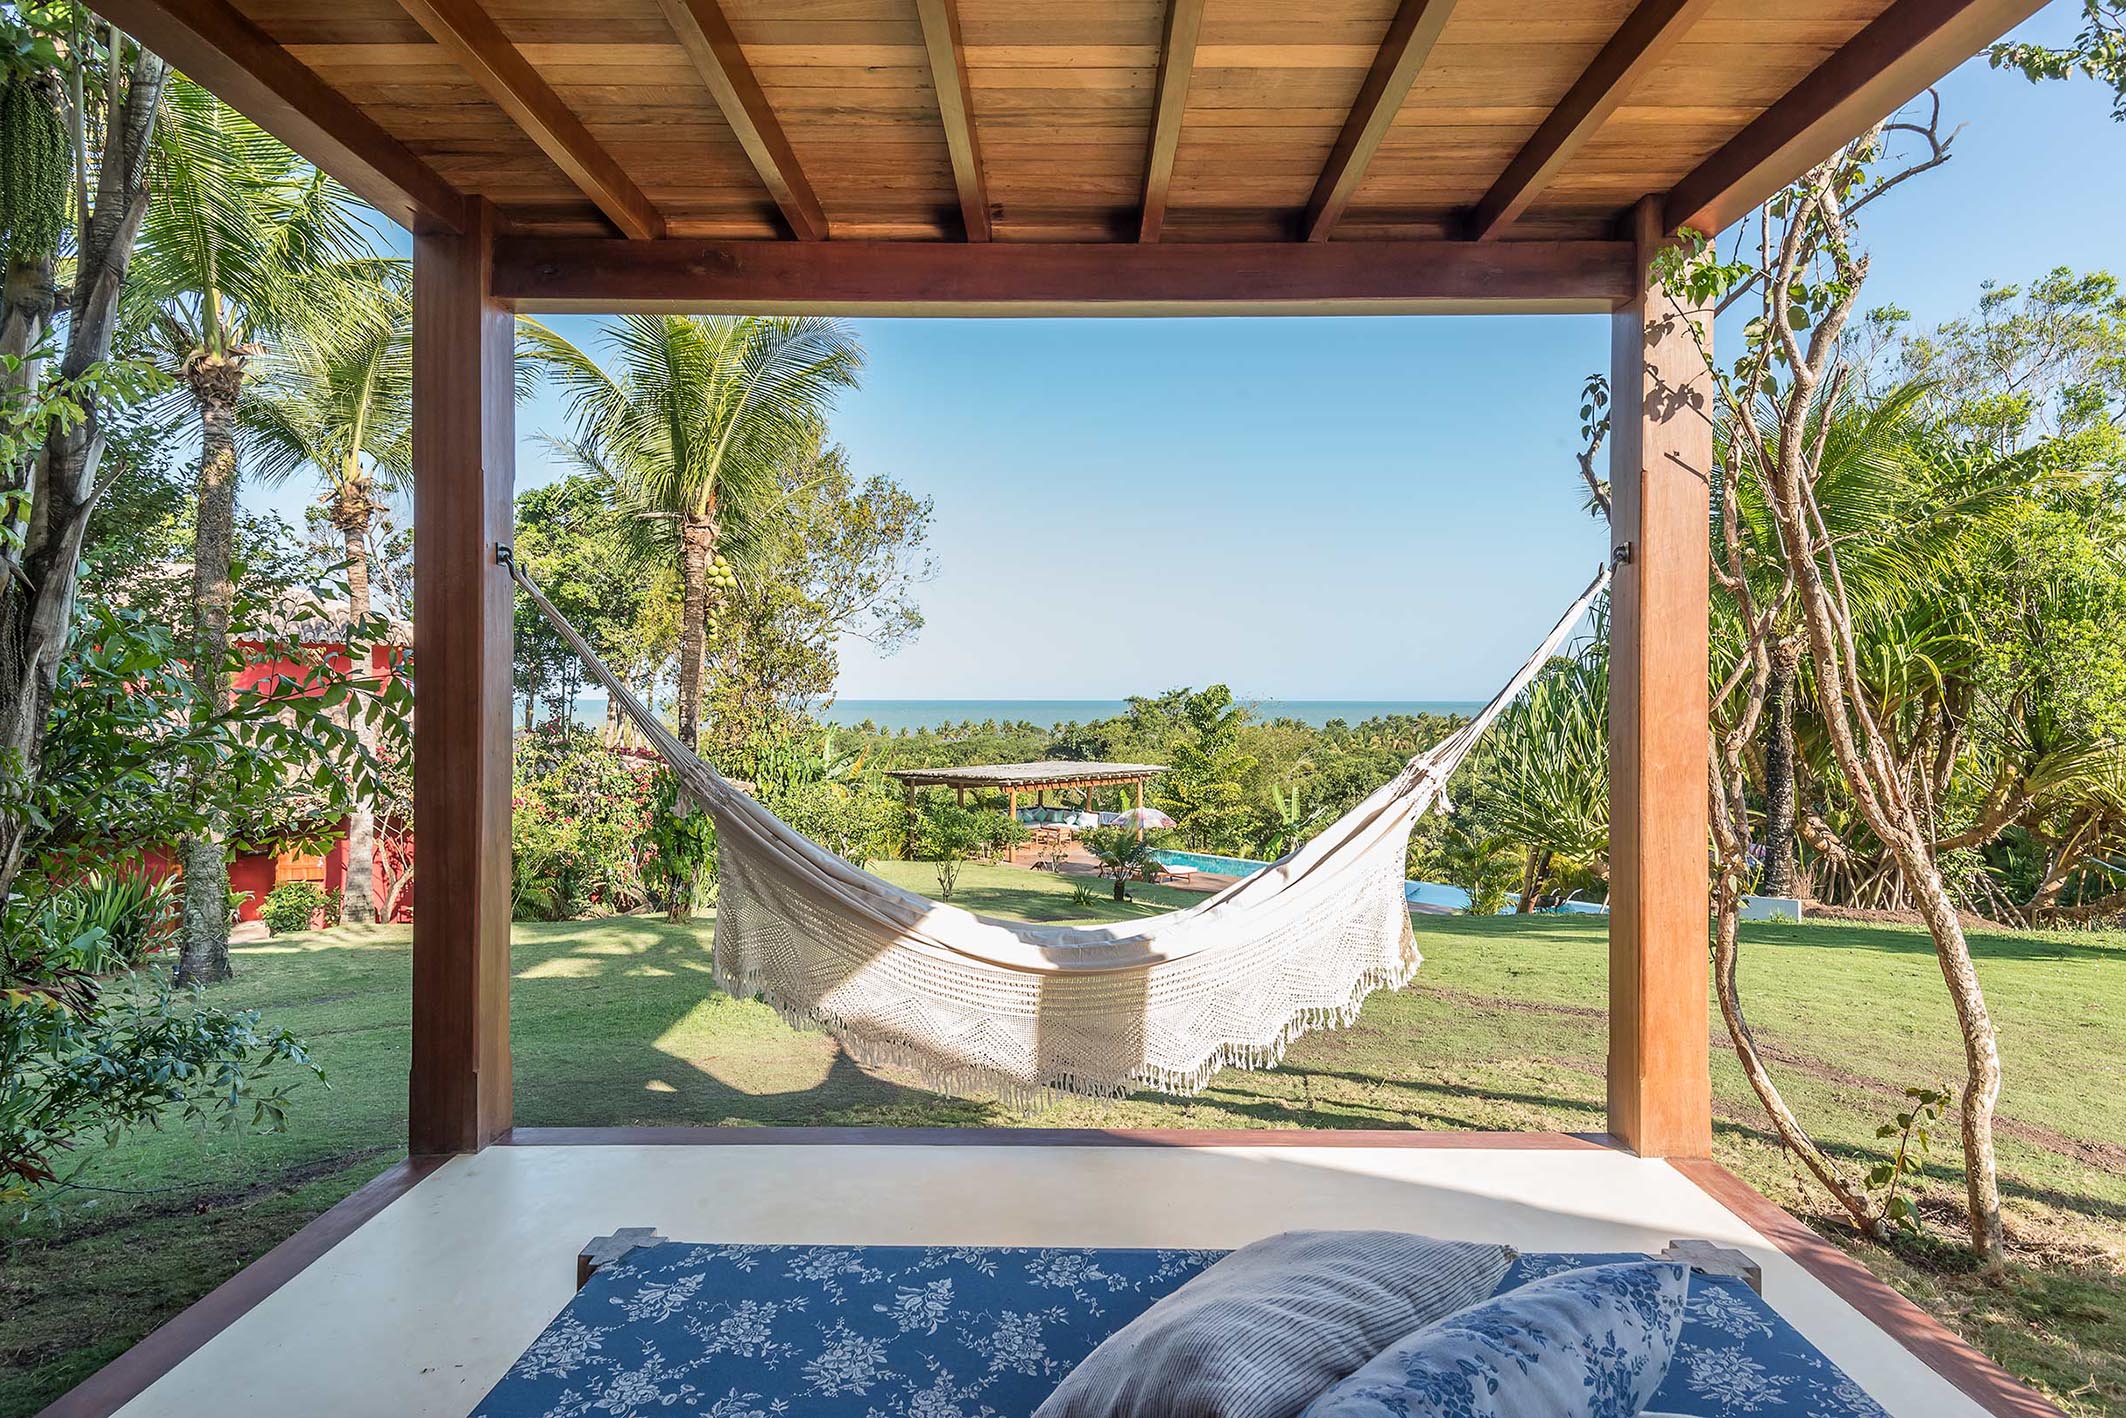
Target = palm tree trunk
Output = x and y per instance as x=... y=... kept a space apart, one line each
x=1532 y=878
x=1780 y=789
x=204 y=935
x=353 y=514
x=697 y=549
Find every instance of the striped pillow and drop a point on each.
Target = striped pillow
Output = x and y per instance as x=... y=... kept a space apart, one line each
x=1263 y=1331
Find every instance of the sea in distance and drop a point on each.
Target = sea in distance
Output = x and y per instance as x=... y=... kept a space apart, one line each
x=893 y=715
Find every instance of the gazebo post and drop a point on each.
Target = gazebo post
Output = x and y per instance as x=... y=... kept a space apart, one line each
x=1011 y=799
x=1661 y=457
x=1140 y=809
x=464 y=450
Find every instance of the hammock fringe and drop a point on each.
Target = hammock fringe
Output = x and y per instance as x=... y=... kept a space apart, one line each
x=868 y=1049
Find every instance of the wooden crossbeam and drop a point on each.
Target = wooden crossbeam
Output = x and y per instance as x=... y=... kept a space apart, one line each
x=219 y=48
x=1411 y=35
x=1641 y=42
x=707 y=37
x=562 y=275
x=1177 y=62
x=1903 y=50
x=948 y=76
x=478 y=46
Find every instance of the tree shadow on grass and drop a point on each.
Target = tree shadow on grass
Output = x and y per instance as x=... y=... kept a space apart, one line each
x=619 y=1022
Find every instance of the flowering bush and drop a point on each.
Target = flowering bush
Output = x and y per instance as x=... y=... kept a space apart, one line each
x=582 y=811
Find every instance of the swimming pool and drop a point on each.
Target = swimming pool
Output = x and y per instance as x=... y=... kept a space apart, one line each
x=1428 y=896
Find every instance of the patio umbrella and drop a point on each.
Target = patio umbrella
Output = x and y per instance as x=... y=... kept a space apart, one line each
x=1145 y=817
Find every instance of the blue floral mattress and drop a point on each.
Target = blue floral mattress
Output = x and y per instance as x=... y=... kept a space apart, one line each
x=987 y=1332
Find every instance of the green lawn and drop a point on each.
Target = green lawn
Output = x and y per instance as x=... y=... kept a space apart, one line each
x=616 y=1021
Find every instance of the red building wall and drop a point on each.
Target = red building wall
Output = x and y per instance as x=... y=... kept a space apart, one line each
x=259 y=872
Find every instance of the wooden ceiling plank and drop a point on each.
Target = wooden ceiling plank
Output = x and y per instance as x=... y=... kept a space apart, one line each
x=1177 y=62
x=489 y=59
x=567 y=275
x=1645 y=38
x=1909 y=46
x=1411 y=35
x=706 y=35
x=948 y=77
x=222 y=50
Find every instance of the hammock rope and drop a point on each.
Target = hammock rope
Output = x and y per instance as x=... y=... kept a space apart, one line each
x=978 y=1005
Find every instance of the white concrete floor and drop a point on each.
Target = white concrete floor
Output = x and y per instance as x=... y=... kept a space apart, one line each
x=421 y=1310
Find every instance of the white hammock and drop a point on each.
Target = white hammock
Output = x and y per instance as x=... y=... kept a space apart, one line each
x=975 y=1004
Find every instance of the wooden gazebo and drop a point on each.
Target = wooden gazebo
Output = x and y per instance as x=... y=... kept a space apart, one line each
x=920 y=157
x=1012 y=779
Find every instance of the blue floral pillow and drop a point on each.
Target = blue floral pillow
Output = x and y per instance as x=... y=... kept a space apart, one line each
x=1592 y=1343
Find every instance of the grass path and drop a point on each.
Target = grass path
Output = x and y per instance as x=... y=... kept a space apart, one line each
x=617 y=1022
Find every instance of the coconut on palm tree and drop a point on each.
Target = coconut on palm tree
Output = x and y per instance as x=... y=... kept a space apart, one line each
x=339 y=402
x=244 y=243
x=692 y=427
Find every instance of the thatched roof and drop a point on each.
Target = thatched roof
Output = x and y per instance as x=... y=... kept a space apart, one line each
x=1048 y=773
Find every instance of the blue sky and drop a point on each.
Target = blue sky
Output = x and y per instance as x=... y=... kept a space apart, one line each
x=1335 y=508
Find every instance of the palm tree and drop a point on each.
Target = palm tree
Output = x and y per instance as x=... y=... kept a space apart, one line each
x=340 y=403
x=693 y=428
x=1122 y=854
x=244 y=243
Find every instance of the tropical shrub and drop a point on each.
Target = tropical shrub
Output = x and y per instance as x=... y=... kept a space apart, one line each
x=679 y=849
x=134 y=913
x=1123 y=855
x=1004 y=832
x=298 y=906
x=82 y=1058
x=946 y=836
x=582 y=813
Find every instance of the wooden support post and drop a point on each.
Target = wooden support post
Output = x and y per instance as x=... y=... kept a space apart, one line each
x=1140 y=809
x=1661 y=453
x=464 y=449
x=1011 y=800
x=908 y=827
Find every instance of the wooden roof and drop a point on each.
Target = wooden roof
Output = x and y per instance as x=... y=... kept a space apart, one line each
x=1245 y=124
x=1048 y=773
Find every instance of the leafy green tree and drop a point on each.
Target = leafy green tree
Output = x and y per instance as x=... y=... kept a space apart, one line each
x=245 y=244
x=337 y=401
x=2097 y=51
x=946 y=836
x=693 y=428
x=589 y=556
x=60 y=393
x=837 y=564
x=1204 y=787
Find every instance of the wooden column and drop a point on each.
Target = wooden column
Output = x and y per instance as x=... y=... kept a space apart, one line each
x=1140 y=809
x=1660 y=450
x=464 y=448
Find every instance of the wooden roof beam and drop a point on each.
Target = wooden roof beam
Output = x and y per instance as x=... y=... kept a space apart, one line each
x=1645 y=38
x=1177 y=62
x=1411 y=35
x=219 y=48
x=478 y=46
x=948 y=75
x=1903 y=50
x=600 y=275
x=707 y=37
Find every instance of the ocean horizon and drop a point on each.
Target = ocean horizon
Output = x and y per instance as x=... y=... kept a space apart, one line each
x=893 y=715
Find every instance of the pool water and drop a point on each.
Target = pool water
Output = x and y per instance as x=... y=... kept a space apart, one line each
x=1429 y=896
